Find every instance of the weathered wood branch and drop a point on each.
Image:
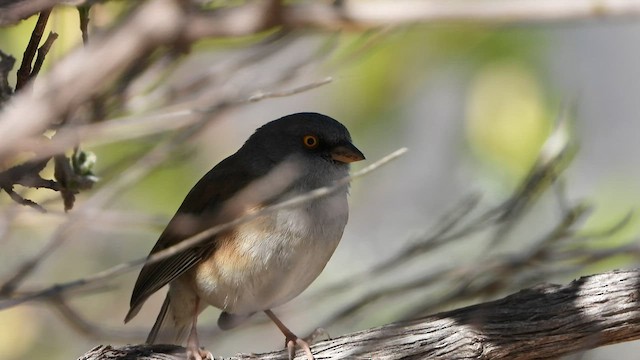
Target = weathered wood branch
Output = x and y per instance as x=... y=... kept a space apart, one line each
x=543 y=322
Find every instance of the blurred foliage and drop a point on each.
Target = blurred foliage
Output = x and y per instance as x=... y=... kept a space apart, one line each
x=382 y=64
x=615 y=199
x=507 y=119
x=160 y=191
x=14 y=344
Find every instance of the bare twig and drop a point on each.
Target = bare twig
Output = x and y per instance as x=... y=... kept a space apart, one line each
x=466 y=281
x=276 y=94
x=198 y=238
x=82 y=326
x=132 y=127
x=137 y=172
x=554 y=156
x=75 y=79
x=421 y=244
x=22 y=201
x=42 y=53
x=146 y=163
x=25 y=73
x=194 y=120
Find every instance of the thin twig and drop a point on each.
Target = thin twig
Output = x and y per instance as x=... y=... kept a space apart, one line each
x=22 y=201
x=200 y=237
x=149 y=161
x=24 y=73
x=482 y=278
x=89 y=329
x=42 y=53
x=276 y=94
x=422 y=243
x=191 y=126
x=133 y=127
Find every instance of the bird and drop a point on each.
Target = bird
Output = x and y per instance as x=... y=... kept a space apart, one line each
x=265 y=262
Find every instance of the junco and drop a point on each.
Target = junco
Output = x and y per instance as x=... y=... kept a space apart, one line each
x=263 y=263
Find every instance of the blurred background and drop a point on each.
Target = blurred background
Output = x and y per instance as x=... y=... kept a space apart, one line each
x=474 y=105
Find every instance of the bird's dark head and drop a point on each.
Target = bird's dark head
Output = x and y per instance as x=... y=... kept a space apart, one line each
x=316 y=137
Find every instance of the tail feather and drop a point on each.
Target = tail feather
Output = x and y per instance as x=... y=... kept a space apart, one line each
x=165 y=330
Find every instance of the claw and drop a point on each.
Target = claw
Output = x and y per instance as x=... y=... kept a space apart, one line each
x=290 y=339
x=198 y=354
x=291 y=343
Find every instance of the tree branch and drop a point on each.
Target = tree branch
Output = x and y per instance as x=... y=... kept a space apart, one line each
x=75 y=79
x=543 y=322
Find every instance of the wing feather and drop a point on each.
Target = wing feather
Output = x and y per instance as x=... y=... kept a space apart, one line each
x=204 y=201
x=205 y=206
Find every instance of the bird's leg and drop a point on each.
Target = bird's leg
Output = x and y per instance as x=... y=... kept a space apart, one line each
x=291 y=340
x=194 y=351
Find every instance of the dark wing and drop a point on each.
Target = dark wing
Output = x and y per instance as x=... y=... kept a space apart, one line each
x=202 y=203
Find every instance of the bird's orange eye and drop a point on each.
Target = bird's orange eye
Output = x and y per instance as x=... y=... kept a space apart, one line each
x=310 y=141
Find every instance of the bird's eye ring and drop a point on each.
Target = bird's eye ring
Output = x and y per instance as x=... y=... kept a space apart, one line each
x=310 y=141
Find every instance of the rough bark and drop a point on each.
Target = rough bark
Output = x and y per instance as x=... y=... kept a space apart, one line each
x=543 y=322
